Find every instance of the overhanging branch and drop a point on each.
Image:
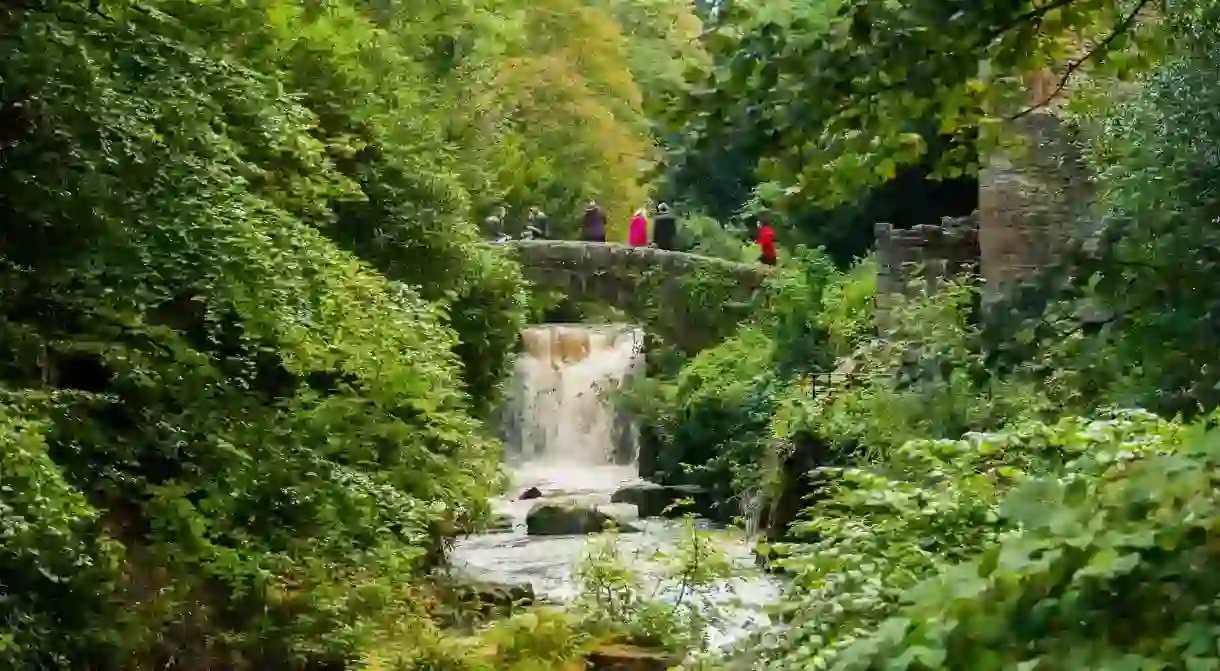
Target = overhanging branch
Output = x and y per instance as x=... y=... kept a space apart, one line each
x=1075 y=65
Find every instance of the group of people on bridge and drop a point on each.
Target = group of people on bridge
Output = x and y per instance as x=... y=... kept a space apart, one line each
x=593 y=229
x=664 y=227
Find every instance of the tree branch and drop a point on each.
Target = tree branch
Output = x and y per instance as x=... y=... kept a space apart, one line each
x=1035 y=13
x=981 y=43
x=1078 y=63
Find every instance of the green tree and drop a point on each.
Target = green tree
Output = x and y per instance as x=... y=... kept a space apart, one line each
x=841 y=95
x=275 y=433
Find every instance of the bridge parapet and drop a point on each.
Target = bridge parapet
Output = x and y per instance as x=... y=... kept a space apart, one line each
x=686 y=298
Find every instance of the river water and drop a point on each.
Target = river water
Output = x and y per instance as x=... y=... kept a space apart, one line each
x=564 y=435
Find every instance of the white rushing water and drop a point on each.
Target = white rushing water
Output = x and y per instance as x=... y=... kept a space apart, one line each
x=565 y=436
x=560 y=413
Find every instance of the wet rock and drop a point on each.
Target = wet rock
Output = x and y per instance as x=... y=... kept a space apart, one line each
x=647 y=450
x=652 y=499
x=798 y=482
x=569 y=519
x=500 y=522
x=630 y=658
x=496 y=594
x=466 y=599
x=531 y=493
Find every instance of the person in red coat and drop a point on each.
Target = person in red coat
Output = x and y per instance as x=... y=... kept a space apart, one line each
x=766 y=241
x=637 y=233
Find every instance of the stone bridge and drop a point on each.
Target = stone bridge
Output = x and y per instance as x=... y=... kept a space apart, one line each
x=690 y=301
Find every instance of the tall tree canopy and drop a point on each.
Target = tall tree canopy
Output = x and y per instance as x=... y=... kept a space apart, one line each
x=837 y=96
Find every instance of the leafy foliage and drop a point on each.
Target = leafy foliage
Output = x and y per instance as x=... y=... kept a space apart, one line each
x=713 y=416
x=248 y=335
x=926 y=378
x=874 y=533
x=60 y=567
x=705 y=236
x=673 y=612
x=838 y=96
x=533 y=640
x=1130 y=324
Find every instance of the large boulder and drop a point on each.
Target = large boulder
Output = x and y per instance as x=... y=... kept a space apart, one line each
x=630 y=658
x=654 y=500
x=565 y=518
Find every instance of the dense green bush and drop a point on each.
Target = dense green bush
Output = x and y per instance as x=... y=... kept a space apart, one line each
x=713 y=419
x=1156 y=274
x=701 y=234
x=368 y=161
x=1110 y=566
x=664 y=599
x=60 y=567
x=927 y=377
x=849 y=307
x=713 y=415
x=873 y=533
x=275 y=433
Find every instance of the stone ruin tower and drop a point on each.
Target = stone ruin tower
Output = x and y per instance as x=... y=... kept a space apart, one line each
x=934 y=253
x=1028 y=206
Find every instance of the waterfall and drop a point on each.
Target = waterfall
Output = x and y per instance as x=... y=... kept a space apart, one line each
x=753 y=504
x=560 y=412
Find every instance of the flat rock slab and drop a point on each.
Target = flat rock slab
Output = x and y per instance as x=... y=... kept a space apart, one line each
x=630 y=658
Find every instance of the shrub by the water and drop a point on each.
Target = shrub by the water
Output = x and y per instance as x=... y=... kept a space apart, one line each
x=876 y=532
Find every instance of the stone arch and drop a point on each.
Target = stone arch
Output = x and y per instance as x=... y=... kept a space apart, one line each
x=691 y=301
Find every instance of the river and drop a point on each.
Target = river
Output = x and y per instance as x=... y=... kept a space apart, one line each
x=565 y=437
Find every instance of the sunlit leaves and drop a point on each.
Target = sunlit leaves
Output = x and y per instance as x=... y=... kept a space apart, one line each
x=60 y=567
x=568 y=93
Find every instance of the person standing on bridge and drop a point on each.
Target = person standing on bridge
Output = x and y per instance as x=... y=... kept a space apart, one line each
x=664 y=228
x=537 y=225
x=493 y=225
x=594 y=229
x=766 y=241
x=637 y=233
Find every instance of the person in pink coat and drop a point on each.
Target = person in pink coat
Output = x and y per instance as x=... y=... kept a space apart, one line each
x=637 y=234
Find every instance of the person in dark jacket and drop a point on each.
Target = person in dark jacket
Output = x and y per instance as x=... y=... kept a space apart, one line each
x=537 y=225
x=664 y=228
x=594 y=229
